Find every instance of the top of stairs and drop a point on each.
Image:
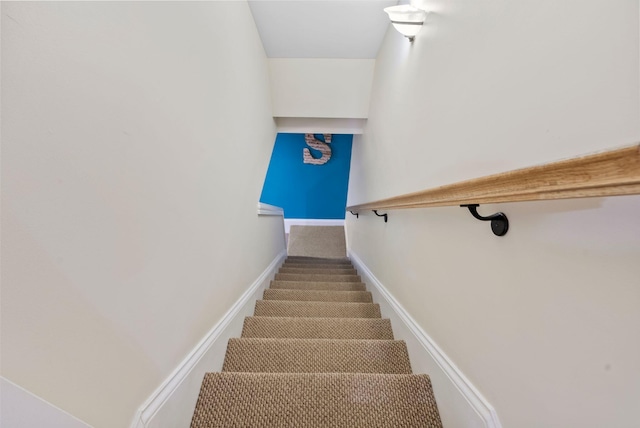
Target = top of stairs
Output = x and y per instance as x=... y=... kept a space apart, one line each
x=317 y=241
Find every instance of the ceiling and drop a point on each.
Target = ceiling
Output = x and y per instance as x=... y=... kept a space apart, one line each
x=321 y=28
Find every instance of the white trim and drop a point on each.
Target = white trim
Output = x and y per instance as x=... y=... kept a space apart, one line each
x=266 y=209
x=162 y=395
x=475 y=399
x=319 y=125
x=288 y=222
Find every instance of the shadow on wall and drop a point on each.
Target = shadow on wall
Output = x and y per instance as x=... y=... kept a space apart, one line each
x=307 y=191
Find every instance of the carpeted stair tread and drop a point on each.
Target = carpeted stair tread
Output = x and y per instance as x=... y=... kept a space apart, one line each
x=318 y=328
x=316 y=356
x=294 y=257
x=340 y=400
x=321 y=271
x=281 y=308
x=346 y=265
x=316 y=266
x=318 y=295
x=315 y=262
x=316 y=277
x=318 y=285
x=297 y=259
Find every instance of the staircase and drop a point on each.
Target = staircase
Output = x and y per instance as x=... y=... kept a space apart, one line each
x=316 y=353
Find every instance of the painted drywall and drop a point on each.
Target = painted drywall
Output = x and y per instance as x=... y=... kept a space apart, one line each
x=21 y=409
x=545 y=321
x=172 y=404
x=457 y=401
x=321 y=88
x=307 y=191
x=136 y=137
x=321 y=29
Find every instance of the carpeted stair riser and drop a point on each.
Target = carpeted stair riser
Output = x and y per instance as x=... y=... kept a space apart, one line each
x=311 y=271
x=308 y=285
x=336 y=259
x=317 y=278
x=310 y=260
x=316 y=356
x=318 y=296
x=339 y=400
x=318 y=265
x=318 y=328
x=278 y=308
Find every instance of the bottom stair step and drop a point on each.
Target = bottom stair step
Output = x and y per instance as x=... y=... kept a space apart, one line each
x=278 y=400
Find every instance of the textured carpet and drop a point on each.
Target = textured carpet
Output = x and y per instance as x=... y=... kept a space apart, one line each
x=318 y=295
x=317 y=266
x=318 y=285
x=318 y=270
x=317 y=241
x=318 y=261
x=318 y=328
x=316 y=354
x=277 y=308
x=317 y=277
x=338 y=400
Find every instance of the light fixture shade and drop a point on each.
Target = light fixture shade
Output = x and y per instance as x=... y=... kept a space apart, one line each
x=406 y=19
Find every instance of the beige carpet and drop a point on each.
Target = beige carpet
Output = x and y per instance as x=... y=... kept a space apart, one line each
x=318 y=295
x=329 y=286
x=316 y=400
x=316 y=354
x=277 y=355
x=317 y=241
x=318 y=328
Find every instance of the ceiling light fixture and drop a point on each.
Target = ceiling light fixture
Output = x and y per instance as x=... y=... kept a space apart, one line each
x=407 y=19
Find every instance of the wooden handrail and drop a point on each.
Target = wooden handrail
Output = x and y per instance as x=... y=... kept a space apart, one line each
x=611 y=173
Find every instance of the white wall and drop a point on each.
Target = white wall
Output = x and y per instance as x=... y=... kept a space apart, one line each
x=136 y=138
x=322 y=88
x=545 y=322
x=21 y=409
x=172 y=404
x=321 y=29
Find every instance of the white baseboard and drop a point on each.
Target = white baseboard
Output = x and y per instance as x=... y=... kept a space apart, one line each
x=460 y=404
x=266 y=209
x=288 y=222
x=172 y=404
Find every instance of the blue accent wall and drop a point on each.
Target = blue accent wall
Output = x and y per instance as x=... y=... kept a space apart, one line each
x=304 y=190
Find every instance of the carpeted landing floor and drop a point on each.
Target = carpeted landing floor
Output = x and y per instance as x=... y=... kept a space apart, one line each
x=317 y=241
x=316 y=353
